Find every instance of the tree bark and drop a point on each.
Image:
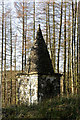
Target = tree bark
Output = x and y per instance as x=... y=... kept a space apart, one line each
x=72 y=80
x=46 y=24
x=11 y=57
x=65 y=82
x=5 y=80
x=2 y=50
x=77 y=76
x=25 y=36
x=69 y=40
x=59 y=41
x=15 y=67
x=79 y=41
x=34 y=22
x=23 y=41
x=75 y=46
x=53 y=46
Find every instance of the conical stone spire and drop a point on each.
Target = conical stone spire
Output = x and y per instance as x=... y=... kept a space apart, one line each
x=39 y=60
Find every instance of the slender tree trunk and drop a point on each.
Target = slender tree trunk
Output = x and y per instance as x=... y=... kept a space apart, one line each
x=15 y=67
x=69 y=39
x=25 y=50
x=77 y=56
x=5 y=80
x=23 y=41
x=75 y=46
x=49 y=30
x=79 y=42
x=49 y=40
x=72 y=80
x=70 y=83
x=46 y=24
x=53 y=47
x=65 y=82
x=11 y=57
x=59 y=41
x=2 y=48
x=34 y=21
x=25 y=35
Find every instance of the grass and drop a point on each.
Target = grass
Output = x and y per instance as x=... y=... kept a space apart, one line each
x=58 y=108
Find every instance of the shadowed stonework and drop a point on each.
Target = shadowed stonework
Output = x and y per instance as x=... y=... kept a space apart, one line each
x=39 y=60
x=39 y=80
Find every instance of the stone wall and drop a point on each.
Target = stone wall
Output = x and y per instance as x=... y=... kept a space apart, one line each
x=34 y=88
x=49 y=86
x=27 y=88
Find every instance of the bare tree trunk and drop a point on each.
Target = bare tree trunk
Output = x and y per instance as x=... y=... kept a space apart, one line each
x=23 y=41
x=77 y=56
x=5 y=80
x=69 y=40
x=46 y=24
x=65 y=82
x=34 y=22
x=53 y=46
x=11 y=57
x=59 y=41
x=25 y=50
x=79 y=41
x=49 y=34
x=72 y=80
x=15 y=67
x=75 y=46
x=49 y=40
x=25 y=36
x=2 y=47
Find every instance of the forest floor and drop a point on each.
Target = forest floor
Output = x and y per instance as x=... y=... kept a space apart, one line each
x=58 y=108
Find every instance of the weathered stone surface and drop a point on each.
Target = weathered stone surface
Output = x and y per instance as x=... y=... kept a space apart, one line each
x=34 y=88
x=27 y=89
x=49 y=86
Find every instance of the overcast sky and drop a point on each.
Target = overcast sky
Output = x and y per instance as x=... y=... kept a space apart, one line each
x=35 y=0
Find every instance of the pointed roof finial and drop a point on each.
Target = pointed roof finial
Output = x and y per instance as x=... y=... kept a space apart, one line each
x=39 y=33
x=39 y=27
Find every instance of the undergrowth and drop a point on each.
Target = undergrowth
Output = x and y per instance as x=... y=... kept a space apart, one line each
x=59 y=108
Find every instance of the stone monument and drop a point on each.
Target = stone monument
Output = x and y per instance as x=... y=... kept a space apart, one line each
x=39 y=80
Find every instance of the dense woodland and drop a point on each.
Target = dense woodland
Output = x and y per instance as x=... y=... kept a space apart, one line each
x=60 y=25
